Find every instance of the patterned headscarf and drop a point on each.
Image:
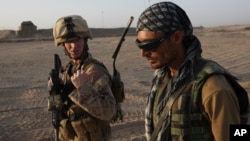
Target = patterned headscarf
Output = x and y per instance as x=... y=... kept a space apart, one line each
x=165 y=17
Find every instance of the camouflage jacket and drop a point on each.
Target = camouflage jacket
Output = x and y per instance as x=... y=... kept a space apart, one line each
x=96 y=97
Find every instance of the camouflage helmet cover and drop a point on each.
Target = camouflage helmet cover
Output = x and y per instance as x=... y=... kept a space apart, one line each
x=69 y=28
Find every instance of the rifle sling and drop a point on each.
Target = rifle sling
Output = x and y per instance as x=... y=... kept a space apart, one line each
x=167 y=108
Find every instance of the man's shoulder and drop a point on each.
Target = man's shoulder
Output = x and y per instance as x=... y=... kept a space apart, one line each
x=92 y=62
x=207 y=67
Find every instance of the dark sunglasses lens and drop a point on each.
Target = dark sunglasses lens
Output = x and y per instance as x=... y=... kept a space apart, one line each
x=148 y=45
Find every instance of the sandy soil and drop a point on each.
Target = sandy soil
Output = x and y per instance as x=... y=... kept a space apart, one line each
x=25 y=67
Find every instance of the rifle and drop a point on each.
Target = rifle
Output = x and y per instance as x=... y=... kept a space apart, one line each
x=55 y=100
x=117 y=84
x=121 y=40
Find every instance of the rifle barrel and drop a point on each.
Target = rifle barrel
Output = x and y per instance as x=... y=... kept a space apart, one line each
x=122 y=38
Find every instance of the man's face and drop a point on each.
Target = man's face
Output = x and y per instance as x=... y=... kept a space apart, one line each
x=75 y=48
x=156 y=48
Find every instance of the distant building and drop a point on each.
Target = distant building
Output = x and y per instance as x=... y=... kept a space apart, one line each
x=27 y=29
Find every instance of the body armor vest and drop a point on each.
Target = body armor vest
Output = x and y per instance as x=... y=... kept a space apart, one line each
x=187 y=120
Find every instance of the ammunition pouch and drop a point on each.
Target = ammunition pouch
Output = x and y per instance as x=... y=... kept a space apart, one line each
x=78 y=116
x=89 y=128
x=86 y=127
x=66 y=130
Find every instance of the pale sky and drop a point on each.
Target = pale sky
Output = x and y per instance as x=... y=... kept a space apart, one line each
x=116 y=13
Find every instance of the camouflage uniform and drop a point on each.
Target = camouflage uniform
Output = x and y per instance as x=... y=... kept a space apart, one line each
x=88 y=109
x=91 y=107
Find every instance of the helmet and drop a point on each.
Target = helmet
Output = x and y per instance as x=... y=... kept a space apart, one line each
x=70 y=28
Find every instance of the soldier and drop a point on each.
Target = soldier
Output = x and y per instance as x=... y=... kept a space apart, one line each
x=191 y=98
x=88 y=102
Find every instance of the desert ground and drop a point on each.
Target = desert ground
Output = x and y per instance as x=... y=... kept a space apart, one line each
x=25 y=68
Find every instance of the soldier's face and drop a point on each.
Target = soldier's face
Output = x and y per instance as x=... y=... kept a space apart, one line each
x=75 y=47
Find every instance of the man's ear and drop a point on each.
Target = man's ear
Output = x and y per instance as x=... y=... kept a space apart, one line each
x=177 y=37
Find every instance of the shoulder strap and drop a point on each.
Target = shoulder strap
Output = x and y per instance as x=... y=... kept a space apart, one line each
x=242 y=96
x=167 y=108
x=88 y=63
x=94 y=61
x=240 y=92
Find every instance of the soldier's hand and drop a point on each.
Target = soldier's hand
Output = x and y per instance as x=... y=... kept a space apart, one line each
x=81 y=78
x=50 y=84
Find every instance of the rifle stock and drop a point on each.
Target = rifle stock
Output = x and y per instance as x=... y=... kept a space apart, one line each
x=117 y=84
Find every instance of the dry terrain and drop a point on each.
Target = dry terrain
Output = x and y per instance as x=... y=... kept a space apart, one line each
x=25 y=67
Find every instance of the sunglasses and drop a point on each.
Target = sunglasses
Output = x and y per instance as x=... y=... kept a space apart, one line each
x=150 y=45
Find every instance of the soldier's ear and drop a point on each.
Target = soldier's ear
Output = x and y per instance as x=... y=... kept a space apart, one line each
x=177 y=37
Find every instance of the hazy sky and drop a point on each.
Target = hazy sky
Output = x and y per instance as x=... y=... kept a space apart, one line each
x=116 y=13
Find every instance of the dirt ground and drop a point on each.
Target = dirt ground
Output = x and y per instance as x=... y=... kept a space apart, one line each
x=25 y=68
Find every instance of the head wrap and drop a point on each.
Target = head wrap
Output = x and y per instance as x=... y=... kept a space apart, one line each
x=165 y=17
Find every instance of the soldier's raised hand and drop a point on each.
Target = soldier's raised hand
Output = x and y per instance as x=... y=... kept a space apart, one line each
x=80 y=78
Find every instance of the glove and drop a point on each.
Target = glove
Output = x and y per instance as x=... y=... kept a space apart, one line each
x=50 y=84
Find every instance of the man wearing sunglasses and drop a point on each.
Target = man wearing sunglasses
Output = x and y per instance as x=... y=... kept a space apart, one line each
x=191 y=98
